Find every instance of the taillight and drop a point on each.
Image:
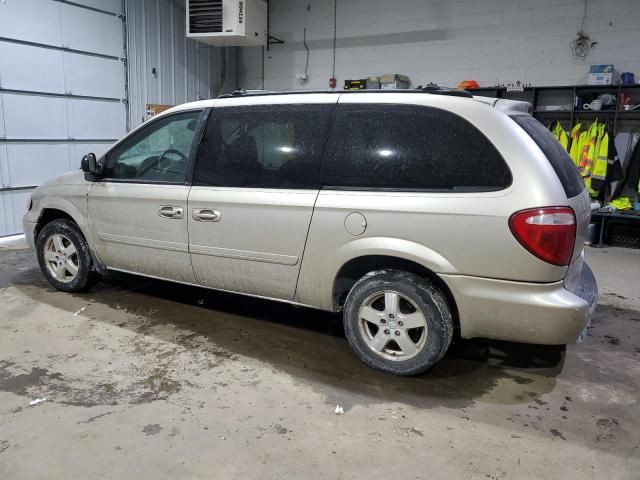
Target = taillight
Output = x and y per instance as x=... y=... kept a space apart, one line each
x=549 y=233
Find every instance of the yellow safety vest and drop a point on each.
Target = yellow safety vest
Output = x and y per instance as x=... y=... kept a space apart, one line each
x=574 y=152
x=588 y=153
x=621 y=203
x=602 y=158
x=561 y=135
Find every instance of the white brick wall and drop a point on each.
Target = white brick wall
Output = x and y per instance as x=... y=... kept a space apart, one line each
x=443 y=41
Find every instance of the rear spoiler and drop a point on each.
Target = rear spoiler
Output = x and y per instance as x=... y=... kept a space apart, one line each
x=507 y=106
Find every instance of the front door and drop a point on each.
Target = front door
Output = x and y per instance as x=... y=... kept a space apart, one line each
x=138 y=211
x=256 y=180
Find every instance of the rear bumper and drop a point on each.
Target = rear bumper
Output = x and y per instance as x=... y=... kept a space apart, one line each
x=546 y=314
x=588 y=289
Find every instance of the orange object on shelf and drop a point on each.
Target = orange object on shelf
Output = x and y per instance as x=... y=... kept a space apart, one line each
x=467 y=84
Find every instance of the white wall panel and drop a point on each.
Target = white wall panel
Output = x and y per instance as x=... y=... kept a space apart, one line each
x=94 y=76
x=31 y=164
x=13 y=205
x=113 y=6
x=187 y=70
x=4 y=166
x=25 y=67
x=96 y=32
x=2 y=129
x=443 y=41
x=92 y=119
x=31 y=20
x=34 y=117
x=50 y=80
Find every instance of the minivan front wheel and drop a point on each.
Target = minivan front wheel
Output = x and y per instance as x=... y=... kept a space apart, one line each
x=64 y=257
x=397 y=322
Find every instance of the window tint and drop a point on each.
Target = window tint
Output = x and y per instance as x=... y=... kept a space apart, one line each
x=271 y=146
x=558 y=157
x=410 y=147
x=158 y=152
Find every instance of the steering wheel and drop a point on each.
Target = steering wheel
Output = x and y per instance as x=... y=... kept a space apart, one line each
x=165 y=164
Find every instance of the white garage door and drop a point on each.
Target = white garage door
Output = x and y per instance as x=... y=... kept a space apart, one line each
x=62 y=91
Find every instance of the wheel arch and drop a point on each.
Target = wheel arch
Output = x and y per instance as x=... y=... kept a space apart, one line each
x=66 y=210
x=355 y=268
x=48 y=215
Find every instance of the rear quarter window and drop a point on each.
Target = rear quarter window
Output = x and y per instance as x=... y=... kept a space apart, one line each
x=558 y=157
x=407 y=147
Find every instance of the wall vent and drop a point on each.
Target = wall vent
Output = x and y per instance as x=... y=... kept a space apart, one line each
x=205 y=16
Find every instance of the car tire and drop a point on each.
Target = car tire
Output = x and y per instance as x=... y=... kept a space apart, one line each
x=64 y=256
x=387 y=311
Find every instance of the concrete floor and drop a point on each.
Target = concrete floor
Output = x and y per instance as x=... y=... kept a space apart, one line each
x=150 y=380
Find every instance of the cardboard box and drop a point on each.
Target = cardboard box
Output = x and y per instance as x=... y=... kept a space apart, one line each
x=394 y=81
x=373 y=83
x=600 y=74
x=154 y=109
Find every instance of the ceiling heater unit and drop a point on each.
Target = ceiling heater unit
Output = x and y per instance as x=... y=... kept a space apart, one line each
x=227 y=22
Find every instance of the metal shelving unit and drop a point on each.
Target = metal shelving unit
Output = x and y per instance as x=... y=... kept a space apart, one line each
x=537 y=96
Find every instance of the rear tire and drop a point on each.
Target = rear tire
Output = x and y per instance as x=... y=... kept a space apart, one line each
x=64 y=256
x=397 y=322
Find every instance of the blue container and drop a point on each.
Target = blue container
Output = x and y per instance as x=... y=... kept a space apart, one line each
x=627 y=78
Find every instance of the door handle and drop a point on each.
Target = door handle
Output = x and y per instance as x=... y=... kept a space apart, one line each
x=169 y=211
x=206 y=215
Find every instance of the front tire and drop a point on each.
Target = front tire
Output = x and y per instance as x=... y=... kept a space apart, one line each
x=397 y=322
x=64 y=256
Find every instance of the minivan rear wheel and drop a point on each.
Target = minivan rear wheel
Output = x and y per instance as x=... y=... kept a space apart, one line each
x=397 y=322
x=64 y=256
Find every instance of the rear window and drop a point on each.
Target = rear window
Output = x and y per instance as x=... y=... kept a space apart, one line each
x=558 y=157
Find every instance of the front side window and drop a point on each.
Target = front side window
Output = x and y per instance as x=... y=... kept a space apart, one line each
x=409 y=147
x=267 y=146
x=156 y=153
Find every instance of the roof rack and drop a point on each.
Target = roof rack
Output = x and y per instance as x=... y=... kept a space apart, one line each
x=241 y=92
x=436 y=89
x=430 y=89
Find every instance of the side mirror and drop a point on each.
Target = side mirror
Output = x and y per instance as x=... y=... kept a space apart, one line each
x=89 y=163
x=90 y=167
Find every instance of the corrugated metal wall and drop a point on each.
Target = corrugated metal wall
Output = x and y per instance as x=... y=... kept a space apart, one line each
x=186 y=70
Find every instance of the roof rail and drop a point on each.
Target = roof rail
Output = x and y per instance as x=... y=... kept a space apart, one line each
x=430 y=89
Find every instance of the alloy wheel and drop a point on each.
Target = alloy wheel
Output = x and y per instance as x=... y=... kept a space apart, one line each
x=392 y=325
x=61 y=258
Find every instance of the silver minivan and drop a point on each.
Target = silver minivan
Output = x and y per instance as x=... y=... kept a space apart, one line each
x=421 y=215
